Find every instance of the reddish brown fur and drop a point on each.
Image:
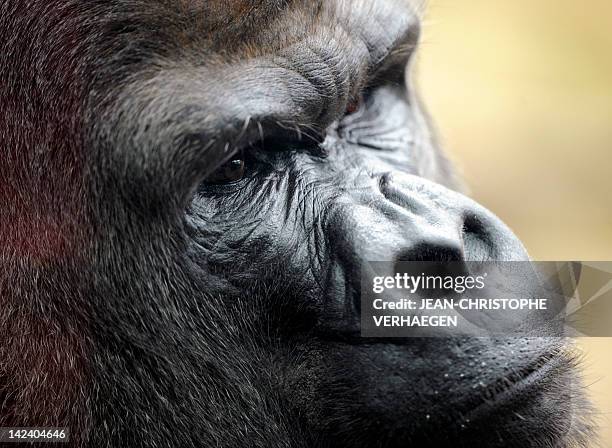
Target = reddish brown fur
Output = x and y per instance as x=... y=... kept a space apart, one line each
x=43 y=230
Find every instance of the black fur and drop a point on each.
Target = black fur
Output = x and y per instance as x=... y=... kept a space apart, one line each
x=142 y=306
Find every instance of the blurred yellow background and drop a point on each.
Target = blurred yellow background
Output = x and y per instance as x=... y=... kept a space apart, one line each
x=521 y=92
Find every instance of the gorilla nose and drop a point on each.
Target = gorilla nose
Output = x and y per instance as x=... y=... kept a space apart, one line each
x=418 y=220
x=408 y=222
x=428 y=228
x=407 y=218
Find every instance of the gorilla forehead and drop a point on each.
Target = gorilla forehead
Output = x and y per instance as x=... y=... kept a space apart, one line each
x=176 y=34
x=216 y=20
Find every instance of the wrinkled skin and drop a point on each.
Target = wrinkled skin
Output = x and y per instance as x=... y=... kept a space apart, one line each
x=143 y=304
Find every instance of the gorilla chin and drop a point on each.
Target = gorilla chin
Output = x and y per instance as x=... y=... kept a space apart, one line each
x=193 y=189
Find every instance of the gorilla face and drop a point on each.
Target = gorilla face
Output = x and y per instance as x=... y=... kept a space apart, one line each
x=236 y=165
x=287 y=224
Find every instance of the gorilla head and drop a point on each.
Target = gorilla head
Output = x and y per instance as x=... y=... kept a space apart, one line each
x=190 y=189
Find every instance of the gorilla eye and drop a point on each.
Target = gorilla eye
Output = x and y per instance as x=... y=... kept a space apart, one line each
x=354 y=105
x=231 y=171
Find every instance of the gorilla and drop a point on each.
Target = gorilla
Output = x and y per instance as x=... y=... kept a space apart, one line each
x=188 y=191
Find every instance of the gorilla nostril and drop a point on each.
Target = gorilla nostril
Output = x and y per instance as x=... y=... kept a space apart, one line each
x=383 y=183
x=477 y=240
x=437 y=251
x=472 y=224
x=437 y=257
x=442 y=259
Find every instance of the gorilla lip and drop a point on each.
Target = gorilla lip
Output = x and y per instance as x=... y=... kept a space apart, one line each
x=509 y=392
